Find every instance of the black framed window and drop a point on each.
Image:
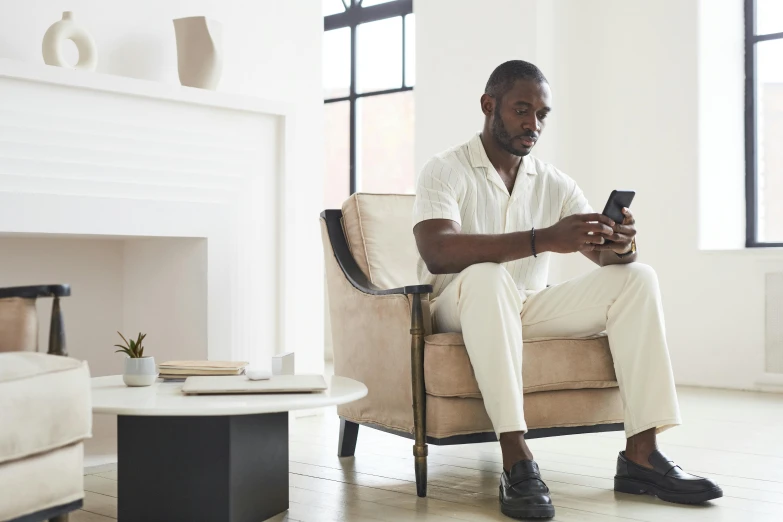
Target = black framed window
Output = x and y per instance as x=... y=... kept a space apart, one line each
x=764 y=122
x=368 y=78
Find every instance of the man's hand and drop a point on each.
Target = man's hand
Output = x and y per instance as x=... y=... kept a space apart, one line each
x=623 y=233
x=578 y=233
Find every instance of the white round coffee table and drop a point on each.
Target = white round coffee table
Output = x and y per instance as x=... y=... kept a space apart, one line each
x=204 y=457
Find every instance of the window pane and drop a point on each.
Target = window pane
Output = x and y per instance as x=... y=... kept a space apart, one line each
x=368 y=3
x=379 y=55
x=769 y=125
x=385 y=143
x=330 y=7
x=769 y=16
x=337 y=63
x=410 y=50
x=337 y=179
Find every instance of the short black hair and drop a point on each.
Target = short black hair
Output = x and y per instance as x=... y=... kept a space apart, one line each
x=505 y=74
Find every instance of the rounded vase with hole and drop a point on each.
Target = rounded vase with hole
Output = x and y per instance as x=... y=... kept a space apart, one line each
x=68 y=29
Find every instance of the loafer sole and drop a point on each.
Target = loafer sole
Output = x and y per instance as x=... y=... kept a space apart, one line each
x=639 y=487
x=540 y=511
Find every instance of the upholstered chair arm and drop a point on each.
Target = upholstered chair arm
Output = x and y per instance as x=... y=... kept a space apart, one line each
x=372 y=333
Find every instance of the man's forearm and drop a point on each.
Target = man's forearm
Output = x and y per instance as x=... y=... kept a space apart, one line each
x=452 y=253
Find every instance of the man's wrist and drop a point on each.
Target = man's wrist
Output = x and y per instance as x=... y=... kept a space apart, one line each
x=628 y=251
x=542 y=240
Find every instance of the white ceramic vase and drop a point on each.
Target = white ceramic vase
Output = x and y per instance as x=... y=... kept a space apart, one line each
x=68 y=29
x=139 y=371
x=199 y=51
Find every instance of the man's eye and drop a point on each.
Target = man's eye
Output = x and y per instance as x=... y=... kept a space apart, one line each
x=543 y=117
x=521 y=112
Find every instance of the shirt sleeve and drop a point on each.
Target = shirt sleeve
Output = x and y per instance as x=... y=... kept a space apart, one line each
x=575 y=201
x=437 y=193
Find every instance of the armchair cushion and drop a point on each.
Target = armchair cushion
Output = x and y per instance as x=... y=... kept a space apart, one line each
x=549 y=364
x=44 y=403
x=378 y=228
x=450 y=416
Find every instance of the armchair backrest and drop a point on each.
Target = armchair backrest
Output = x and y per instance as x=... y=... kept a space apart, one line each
x=18 y=325
x=379 y=231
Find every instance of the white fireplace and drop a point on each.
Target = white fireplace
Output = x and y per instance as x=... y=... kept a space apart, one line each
x=183 y=191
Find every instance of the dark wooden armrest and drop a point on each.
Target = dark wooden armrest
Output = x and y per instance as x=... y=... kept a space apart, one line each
x=353 y=273
x=33 y=292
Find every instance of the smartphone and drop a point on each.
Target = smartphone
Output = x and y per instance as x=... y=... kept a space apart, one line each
x=618 y=200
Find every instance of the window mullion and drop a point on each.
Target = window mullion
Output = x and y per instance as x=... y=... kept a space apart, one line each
x=751 y=181
x=403 y=51
x=353 y=115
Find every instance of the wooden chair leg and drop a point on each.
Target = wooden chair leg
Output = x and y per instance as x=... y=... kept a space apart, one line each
x=349 y=431
x=419 y=396
x=57 y=330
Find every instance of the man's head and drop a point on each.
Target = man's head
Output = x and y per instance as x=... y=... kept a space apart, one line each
x=515 y=103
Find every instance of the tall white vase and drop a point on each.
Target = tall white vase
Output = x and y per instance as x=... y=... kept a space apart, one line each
x=199 y=51
x=68 y=29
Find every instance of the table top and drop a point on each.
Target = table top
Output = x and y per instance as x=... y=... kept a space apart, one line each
x=110 y=395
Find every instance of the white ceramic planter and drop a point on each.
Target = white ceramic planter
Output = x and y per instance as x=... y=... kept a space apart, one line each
x=140 y=371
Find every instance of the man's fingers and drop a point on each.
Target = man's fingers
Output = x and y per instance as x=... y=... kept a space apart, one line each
x=595 y=217
x=620 y=238
x=595 y=239
x=588 y=247
x=599 y=228
x=629 y=219
x=628 y=230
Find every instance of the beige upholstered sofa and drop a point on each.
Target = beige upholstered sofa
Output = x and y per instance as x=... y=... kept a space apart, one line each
x=45 y=413
x=421 y=384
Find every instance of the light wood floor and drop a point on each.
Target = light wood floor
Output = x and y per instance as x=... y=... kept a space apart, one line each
x=734 y=437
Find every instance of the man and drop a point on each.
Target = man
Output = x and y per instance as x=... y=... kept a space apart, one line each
x=487 y=215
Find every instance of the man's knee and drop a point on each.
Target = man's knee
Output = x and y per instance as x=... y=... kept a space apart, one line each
x=487 y=273
x=637 y=274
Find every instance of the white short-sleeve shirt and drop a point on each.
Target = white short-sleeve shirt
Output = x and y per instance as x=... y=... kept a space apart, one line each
x=461 y=184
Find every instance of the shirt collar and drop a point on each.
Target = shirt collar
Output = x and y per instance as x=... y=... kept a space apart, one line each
x=478 y=157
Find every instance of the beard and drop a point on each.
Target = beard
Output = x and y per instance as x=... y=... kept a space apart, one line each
x=503 y=137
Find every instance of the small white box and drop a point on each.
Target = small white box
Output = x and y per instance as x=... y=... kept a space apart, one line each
x=283 y=364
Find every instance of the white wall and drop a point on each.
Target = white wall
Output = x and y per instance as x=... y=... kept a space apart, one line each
x=629 y=101
x=272 y=50
x=455 y=55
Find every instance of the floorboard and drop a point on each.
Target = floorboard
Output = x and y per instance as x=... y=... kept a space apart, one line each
x=730 y=436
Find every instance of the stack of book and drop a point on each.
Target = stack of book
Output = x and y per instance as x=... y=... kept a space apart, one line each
x=181 y=370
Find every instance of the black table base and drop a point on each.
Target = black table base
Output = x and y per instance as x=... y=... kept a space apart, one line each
x=210 y=469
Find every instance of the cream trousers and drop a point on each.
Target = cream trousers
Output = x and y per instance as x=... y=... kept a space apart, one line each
x=484 y=304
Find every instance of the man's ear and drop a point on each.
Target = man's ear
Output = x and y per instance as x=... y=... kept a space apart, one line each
x=488 y=104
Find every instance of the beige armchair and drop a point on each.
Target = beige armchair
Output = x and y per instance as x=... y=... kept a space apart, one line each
x=421 y=384
x=45 y=412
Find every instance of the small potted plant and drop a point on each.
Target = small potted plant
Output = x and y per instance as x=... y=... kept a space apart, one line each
x=140 y=370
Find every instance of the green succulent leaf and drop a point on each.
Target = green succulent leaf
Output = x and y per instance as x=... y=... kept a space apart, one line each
x=133 y=348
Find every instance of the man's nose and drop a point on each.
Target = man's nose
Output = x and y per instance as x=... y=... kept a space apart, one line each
x=532 y=124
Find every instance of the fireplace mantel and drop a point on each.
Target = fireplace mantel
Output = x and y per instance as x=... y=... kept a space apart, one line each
x=93 y=155
x=37 y=73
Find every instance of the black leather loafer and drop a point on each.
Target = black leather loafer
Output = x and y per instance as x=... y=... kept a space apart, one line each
x=666 y=480
x=523 y=494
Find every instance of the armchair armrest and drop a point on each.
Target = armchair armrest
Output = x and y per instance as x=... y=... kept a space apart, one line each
x=348 y=264
x=33 y=292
